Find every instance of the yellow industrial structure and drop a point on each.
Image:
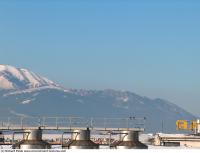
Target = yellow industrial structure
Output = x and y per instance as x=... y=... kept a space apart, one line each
x=189 y=140
x=193 y=125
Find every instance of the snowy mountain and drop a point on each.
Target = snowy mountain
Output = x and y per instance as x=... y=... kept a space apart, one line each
x=25 y=93
x=12 y=78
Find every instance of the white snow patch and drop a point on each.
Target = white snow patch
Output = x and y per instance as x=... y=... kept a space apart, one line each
x=125 y=99
x=32 y=81
x=14 y=71
x=26 y=101
x=31 y=90
x=2 y=67
x=9 y=75
x=48 y=81
x=5 y=84
x=67 y=91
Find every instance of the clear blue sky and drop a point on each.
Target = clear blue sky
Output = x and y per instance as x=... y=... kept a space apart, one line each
x=149 y=47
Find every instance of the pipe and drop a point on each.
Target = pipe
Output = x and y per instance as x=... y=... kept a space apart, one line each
x=62 y=139
x=21 y=132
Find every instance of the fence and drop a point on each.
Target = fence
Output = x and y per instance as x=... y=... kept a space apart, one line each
x=71 y=122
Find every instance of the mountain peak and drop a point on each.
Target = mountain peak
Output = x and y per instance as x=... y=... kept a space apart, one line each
x=27 y=93
x=12 y=78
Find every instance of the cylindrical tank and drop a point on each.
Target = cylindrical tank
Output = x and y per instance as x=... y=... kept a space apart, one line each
x=198 y=127
x=1 y=137
x=32 y=140
x=129 y=140
x=81 y=140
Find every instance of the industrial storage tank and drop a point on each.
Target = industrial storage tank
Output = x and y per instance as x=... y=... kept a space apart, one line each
x=1 y=137
x=32 y=140
x=129 y=140
x=80 y=140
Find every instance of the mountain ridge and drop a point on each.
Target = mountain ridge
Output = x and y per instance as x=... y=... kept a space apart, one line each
x=51 y=99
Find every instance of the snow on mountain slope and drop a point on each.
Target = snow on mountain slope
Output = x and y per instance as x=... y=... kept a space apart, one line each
x=5 y=84
x=12 y=78
x=24 y=93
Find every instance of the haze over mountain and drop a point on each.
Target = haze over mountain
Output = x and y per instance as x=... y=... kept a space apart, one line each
x=24 y=93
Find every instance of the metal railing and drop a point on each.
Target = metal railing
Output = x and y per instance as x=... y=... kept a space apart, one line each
x=71 y=122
